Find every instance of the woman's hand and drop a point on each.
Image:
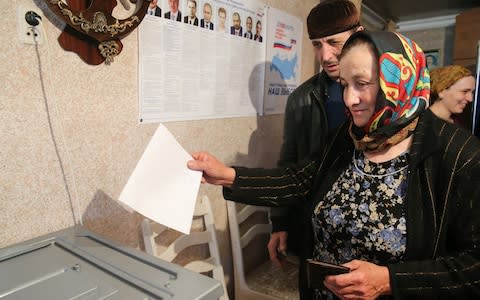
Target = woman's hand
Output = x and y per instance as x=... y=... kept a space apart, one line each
x=365 y=281
x=214 y=172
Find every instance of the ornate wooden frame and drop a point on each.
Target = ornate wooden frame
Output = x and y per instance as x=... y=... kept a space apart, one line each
x=92 y=32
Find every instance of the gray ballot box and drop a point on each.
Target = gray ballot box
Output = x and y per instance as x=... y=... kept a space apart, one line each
x=75 y=263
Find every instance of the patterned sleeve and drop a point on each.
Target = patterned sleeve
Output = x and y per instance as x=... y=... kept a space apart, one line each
x=272 y=187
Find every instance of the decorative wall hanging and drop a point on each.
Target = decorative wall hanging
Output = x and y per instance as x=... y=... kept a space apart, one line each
x=92 y=32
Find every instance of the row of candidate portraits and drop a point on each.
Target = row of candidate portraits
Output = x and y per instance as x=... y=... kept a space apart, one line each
x=213 y=18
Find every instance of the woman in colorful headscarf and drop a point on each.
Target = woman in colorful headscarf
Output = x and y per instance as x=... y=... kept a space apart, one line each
x=452 y=90
x=395 y=195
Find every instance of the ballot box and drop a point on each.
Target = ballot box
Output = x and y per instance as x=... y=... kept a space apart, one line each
x=78 y=264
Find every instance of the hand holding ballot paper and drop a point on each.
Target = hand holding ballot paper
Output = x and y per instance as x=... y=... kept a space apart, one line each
x=161 y=187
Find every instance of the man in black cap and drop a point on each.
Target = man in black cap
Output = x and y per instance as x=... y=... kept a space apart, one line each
x=314 y=108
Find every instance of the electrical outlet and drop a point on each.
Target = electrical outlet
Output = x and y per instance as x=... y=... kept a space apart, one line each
x=27 y=33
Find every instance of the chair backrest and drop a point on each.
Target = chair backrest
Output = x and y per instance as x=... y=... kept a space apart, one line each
x=241 y=240
x=203 y=211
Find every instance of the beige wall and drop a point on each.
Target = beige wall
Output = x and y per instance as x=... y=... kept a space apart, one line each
x=93 y=112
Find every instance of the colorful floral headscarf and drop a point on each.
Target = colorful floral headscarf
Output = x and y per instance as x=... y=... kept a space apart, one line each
x=404 y=91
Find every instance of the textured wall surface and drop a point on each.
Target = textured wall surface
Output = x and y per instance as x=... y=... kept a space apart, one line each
x=70 y=141
x=441 y=39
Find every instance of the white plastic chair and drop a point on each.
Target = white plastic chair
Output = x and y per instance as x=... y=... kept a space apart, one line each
x=264 y=281
x=203 y=211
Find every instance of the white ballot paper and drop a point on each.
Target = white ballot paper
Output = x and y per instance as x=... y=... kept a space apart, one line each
x=161 y=186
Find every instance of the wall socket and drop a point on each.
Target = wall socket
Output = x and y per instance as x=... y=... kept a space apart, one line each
x=27 y=33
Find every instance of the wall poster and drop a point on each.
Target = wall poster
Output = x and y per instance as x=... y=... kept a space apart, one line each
x=204 y=59
x=284 y=50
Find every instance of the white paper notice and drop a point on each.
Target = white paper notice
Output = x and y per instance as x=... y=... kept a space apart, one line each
x=161 y=186
x=188 y=72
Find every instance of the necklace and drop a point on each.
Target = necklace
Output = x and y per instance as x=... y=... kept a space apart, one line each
x=374 y=175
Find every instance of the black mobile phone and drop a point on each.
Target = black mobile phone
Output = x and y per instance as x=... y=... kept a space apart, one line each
x=317 y=270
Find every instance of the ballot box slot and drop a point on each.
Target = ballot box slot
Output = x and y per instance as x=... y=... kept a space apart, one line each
x=25 y=250
x=173 y=275
x=119 y=273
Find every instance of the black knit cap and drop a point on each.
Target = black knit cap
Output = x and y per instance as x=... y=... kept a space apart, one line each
x=330 y=17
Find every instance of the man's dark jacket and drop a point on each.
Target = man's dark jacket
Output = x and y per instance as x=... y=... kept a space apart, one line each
x=305 y=132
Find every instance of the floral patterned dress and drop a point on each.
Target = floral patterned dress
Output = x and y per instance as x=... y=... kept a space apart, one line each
x=363 y=215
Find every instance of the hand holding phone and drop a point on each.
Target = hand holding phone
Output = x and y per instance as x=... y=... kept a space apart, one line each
x=317 y=270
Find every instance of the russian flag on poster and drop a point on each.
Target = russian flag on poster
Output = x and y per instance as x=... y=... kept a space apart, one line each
x=282 y=46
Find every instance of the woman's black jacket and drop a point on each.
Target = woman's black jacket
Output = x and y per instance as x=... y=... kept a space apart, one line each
x=442 y=259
